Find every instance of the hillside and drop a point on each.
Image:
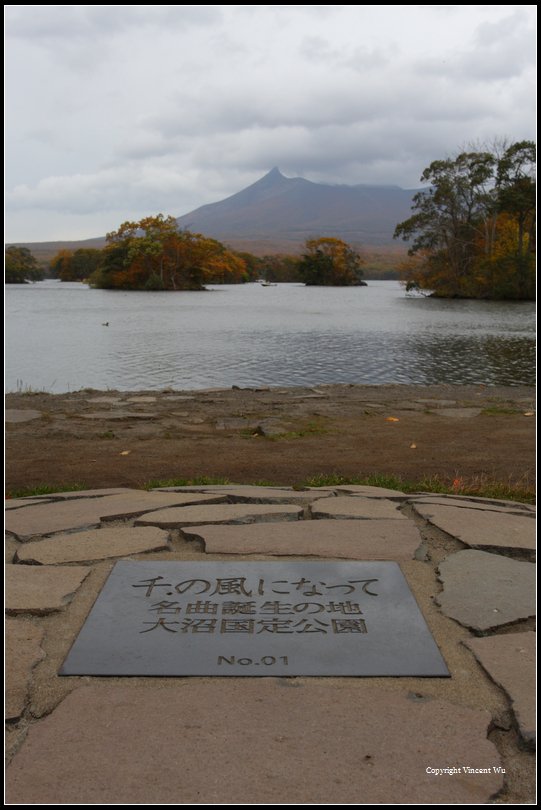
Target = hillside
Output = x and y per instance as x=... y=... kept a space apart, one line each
x=289 y=210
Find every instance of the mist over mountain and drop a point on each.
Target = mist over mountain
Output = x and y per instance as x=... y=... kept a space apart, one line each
x=292 y=209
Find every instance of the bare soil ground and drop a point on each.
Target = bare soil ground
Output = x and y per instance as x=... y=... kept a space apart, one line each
x=278 y=435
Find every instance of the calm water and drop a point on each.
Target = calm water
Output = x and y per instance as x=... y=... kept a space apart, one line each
x=249 y=335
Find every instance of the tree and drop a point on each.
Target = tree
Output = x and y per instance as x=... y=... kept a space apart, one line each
x=153 y=254
x=76 y=266
x=462 y=220
x=517 y=190
x=21 y=266
x=330 y=262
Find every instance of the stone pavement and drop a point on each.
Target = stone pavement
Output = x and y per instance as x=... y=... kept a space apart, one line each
x=93 y=740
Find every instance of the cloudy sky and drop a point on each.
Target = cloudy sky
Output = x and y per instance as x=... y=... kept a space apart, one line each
x=116 y=112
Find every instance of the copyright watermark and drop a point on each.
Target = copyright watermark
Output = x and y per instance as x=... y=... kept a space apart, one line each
x=461 y=769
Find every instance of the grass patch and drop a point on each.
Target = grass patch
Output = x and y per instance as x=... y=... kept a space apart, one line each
x=107 y=435
x=310 y=429
x=44 y=489
x=481 y=486
x=199 y=481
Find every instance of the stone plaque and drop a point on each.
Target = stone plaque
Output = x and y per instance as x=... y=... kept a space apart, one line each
x=256 y=619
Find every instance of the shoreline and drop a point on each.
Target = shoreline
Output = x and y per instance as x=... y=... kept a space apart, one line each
x=277 y=435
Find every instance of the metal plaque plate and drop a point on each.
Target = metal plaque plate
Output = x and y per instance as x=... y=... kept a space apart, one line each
x=255 y=618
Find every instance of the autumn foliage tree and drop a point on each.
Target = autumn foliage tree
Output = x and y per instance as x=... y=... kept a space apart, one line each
x=21 y=266
x=473 y=230
x=153 y=254
x=329 y=262
x=78 y=265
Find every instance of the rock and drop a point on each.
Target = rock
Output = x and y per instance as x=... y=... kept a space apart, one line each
x=30 y=589
x=356 y=507
x=227 y=513
x=484 y=591
x=335 y=539
x=96 y=544
x=468 y=503
x=23 y=651
x=108 y=416
x=225 y=741
x=510 y=661
x=14 y=415
x=481 y=528
x=83 y=513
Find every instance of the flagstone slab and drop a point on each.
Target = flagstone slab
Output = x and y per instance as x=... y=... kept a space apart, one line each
x=40 y=590
x=14 y=415
x=335 y=539
x=105 y=400
x=464 y=503
x=245 y=494
x=87 y=513
x=17 y=503
x=86 y=493
x=253 y=741
x=510 y=661
x=118 y=415
x=481 y=528
x=356 y=507
x=96 y=544
x=485 y=591
x=370 y=492
x=236 y=513
x=23 y=652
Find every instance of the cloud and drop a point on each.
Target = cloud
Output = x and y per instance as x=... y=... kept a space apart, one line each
x=149 y=108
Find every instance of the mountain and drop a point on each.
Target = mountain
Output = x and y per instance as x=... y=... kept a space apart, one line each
x=276 y=214
x=291 y=209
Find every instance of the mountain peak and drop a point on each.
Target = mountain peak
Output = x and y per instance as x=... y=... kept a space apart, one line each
x=273 y=177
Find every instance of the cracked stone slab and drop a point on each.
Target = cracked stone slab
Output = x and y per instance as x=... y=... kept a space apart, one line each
x=484 y=591
x=370 y=492
x=14 y=415
x=245 y=494
x=23 y=652
x=17 y=503
x=471 y=499
x=510 y=661
x=97 y=544
x=40 y=590
x=465 y=503
x=104 y=400
x=336 y=539
x=116 y=415
x=222 y=513
x=357 y=507
x=87 y=513
x=237 y=740
x=84 y=493
x=481 y=528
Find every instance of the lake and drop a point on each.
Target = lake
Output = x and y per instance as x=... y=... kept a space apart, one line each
x=250 y=335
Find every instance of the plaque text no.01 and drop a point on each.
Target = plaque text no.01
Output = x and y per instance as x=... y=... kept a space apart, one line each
x=257 y=618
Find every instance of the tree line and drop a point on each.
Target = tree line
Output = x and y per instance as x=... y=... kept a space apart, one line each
x=153 y=254
x=472 y=233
